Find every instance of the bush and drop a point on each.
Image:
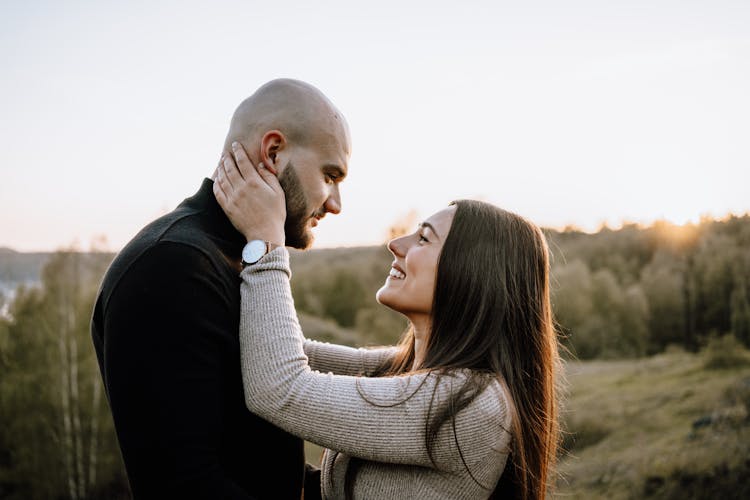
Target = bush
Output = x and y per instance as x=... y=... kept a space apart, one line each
x=583 y=433
x=725 y=352
x=722 y=481
x=739 y=394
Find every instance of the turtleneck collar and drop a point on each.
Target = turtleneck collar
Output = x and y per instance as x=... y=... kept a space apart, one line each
x=217 y=223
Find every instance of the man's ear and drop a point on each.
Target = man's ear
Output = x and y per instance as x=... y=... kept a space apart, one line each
x=272 y=143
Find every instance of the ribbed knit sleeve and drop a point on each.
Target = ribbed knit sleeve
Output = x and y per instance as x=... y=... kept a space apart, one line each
x=379 y=419
x=344 y=360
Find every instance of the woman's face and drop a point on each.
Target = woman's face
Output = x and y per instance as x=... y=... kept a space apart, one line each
x=410 y=287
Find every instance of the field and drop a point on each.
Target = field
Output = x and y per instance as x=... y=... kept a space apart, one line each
x=659 y=427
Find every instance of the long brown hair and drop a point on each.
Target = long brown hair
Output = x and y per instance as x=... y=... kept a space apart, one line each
x=491 y=313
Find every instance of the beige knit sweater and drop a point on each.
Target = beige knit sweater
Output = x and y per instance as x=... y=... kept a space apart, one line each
x=377 y=425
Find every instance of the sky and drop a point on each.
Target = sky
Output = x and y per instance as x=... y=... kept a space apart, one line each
x=569 y=113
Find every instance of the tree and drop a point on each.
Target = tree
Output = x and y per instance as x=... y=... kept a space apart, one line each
x=571 y=301
x=57 y=424
x=634 y=321
x=741 y=312
x=343 y=296
x=663 y=282
x=714 y=268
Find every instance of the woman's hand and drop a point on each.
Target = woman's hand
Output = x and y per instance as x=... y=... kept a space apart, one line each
x=251 y=197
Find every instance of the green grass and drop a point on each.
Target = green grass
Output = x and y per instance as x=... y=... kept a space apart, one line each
x=632 y=433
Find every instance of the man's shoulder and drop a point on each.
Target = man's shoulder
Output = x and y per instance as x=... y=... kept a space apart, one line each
x=173 y=246
x=179 y=226
x=154 y=233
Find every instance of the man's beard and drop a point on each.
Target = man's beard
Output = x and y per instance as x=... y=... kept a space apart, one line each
x=297 y=213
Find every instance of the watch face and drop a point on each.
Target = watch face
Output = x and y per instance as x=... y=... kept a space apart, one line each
x=253 y=251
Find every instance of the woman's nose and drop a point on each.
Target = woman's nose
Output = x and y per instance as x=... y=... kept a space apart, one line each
x=396 y=246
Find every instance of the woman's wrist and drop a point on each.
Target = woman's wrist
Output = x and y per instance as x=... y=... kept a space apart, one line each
x=275 y=240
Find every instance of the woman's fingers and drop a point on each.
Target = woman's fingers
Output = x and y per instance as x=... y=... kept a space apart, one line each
x=244 y=164
x=230 y=170
x=269 y=178
x=219 y=193
x=251 y=197
x=249 y=172
x=221 y=178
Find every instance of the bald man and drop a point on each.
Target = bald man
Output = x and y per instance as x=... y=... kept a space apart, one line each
x=166 y=321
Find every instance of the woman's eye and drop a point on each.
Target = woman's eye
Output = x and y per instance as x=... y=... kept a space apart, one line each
x=422 y=239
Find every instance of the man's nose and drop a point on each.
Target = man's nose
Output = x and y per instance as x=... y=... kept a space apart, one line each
x=333 y=203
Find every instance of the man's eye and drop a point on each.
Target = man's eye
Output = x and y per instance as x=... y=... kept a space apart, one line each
x=330 y=179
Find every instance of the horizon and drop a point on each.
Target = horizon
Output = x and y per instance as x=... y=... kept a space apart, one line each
x=96 y=245
x=579 y=114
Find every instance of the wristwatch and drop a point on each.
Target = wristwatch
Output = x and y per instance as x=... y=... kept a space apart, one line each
x=254 y=250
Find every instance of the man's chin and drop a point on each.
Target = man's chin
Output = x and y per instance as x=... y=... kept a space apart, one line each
x=301 y=241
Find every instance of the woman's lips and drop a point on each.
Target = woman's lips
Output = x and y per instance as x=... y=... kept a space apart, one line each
x=396 y=273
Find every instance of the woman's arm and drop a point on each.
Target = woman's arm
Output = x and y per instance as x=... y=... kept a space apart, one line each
x=381 y=419
x=343 y=360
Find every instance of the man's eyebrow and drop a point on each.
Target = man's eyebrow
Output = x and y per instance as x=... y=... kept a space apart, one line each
x=339 y=172
x=432 y=228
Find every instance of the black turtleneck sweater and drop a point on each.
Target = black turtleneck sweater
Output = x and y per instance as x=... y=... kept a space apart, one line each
x=165 y=329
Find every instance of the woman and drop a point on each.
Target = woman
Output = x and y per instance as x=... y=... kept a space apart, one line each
x=464 y=407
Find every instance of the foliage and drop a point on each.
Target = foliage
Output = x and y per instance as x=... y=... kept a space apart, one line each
x=637 y=290
x=740 y=307
x=342 y=296
x=725 y=352
x=57 y=436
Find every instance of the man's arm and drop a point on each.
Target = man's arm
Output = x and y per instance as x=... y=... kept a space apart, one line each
x=167 y=340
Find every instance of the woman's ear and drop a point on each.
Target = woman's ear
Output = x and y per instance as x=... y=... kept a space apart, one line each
x=271 y=144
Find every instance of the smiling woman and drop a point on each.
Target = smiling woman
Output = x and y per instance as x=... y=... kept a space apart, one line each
x=411 y=283
x=464 y=407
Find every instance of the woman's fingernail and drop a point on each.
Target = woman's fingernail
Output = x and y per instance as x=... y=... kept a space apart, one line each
x=234 y=145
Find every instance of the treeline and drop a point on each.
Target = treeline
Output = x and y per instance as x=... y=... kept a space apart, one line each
x=626 y=292
x=635 y=291
x=629 y=292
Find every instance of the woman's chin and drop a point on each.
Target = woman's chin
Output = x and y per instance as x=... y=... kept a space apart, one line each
x=385 y=297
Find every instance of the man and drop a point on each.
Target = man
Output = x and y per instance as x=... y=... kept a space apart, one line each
x=165 y=323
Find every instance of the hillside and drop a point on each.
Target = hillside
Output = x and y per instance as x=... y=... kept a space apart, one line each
x=660 y=427
x=19 y=267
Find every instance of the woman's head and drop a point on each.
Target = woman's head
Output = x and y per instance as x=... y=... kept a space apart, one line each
x=489 y=310
x=470 y=262
x=410 y=287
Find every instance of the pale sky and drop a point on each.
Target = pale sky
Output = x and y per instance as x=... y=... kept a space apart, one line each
x=574 y=112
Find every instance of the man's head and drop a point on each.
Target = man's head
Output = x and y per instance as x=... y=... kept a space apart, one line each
x=293 y=129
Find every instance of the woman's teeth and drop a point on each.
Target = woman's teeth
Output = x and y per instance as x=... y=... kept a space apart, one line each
x=396 y=274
